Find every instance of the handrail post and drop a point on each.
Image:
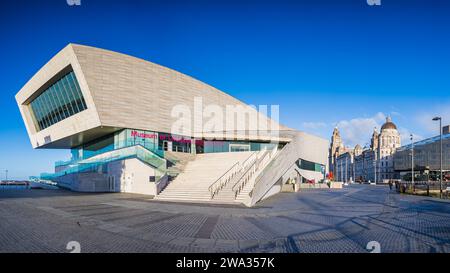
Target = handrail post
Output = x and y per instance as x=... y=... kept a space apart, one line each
x=259 y=161
x=219 y=183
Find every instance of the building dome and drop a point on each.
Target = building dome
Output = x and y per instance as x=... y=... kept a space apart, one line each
x=388 y=124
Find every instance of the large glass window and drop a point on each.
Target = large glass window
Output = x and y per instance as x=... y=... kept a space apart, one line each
x=309 y=165
x=60 y=101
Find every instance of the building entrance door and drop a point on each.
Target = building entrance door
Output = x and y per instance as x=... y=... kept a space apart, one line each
x=112 y=183
x=239 y=148
x=167 y=145
x=127 y=182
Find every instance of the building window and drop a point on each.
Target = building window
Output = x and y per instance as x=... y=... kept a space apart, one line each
x=312 y=166
x=59 y=101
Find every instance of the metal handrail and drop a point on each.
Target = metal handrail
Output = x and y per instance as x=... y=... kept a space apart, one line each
x=162 y=182
x=255 y=165
x=273 y=152
x=213 y=185
x=248 y=158
x=420 y=182
x=241 y=181
x=240 y=166
x=92 y=163
x=240 y=178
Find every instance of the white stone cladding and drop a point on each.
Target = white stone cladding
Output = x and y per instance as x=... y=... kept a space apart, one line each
x=122 y=91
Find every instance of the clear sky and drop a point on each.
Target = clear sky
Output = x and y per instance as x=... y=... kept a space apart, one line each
x=326 y=63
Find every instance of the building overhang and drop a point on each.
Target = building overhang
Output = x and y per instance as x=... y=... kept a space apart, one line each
x=68 y=130
x=122 y=91
x=80 y=138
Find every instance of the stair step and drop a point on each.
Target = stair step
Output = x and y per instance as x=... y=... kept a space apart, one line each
x=192 y=183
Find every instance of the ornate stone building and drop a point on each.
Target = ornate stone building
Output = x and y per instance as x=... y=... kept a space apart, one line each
x=374 y=163
x=337 y=148
x=389 y=142
x=374 y=140
x=335 y=145
x=345 y=164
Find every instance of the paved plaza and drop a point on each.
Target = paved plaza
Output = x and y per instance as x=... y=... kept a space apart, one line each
x=310 y=221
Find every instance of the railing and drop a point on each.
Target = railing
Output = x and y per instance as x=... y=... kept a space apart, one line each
x=223 y=180
x=138 y=151
x=110 y=148
x=242 y=181
x=420 y=186
x=279 y=164
x=93 y=163
x=220 y=183
x=257 y=164
x=38 y=180
x=61 y=163
x=249 y=160
x=162 y=183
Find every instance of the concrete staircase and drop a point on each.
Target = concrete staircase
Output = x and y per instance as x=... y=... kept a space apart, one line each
x=251 y=171
x=227 y=195
x=192 y=184
x=245 y=192
x=176 y=162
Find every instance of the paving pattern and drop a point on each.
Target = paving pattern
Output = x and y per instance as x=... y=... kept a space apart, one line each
x=310 y=221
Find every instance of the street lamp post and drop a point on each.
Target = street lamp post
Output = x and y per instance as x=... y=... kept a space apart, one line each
x=440 y=151
x=346 y=167
x=354 y=169
x=375 y=167
x=412 y=161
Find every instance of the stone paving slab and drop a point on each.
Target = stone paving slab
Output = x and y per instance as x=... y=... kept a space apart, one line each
x=309 y=221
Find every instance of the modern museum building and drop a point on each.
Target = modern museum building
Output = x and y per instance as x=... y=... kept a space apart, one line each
x=135 y=126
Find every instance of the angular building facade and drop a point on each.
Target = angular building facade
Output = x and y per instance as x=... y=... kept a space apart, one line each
x=135 y=126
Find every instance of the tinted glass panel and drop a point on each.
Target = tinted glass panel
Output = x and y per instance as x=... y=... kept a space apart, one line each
x=60 y=101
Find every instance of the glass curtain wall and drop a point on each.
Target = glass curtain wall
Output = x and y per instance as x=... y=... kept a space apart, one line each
x=158 y=143
x=59 y=101
x=122 y=139
x=218 y=146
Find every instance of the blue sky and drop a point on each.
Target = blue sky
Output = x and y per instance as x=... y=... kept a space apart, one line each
x=326 y=63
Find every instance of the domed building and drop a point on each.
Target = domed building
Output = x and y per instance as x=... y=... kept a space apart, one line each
x=358 y=150
x=369 y=163
x=388 y=142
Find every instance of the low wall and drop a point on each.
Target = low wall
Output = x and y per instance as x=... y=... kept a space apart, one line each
x=130 y=175
x=336 y=185
x=313 y=186
x=288 y=188
x=84 y=182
